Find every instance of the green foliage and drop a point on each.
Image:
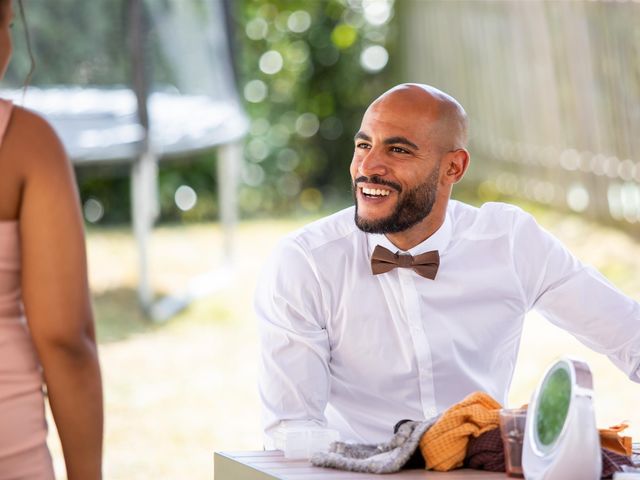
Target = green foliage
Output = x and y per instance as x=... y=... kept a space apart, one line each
x=198 y=171
x=108 y=185
x=305 y=108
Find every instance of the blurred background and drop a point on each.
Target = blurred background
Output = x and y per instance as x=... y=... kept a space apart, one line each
x=204 y=130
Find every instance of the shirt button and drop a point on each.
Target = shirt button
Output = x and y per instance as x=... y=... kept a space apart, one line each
x=430 y=412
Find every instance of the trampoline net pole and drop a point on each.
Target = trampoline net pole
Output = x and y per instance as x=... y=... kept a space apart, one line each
x=228 y=166
x=143 y=185
x=144 y=172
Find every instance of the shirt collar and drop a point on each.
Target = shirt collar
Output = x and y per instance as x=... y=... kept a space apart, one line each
x=439 y=240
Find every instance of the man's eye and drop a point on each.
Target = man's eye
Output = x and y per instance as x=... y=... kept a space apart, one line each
x=398 y=150
x=362 y=145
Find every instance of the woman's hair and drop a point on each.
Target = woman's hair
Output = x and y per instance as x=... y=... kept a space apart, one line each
x=3 y=5
x=27 y=37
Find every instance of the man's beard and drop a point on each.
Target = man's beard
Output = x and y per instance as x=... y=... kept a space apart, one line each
x=411 y=209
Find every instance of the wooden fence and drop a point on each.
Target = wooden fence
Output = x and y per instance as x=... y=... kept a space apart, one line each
x=552 y=90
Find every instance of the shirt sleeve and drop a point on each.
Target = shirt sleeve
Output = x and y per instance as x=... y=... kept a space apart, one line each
x=576 y=297
x=294 y=373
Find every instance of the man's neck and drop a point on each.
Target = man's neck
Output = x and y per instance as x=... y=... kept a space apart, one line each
x=417 y=234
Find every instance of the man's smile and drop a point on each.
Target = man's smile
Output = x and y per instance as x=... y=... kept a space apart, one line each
x=374 y=192
x=374 y=188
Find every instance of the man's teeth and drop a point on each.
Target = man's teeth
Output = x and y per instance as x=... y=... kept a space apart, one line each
x=375 y=192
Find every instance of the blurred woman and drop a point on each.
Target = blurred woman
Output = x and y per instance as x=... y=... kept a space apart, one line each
x=47 y=338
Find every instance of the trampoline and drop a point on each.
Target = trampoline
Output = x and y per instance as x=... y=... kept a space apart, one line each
x=180 y=98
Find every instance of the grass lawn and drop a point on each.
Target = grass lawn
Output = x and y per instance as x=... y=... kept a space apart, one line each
x=178 y=391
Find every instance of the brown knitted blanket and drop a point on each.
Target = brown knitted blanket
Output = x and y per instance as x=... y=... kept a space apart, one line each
x=486 y=453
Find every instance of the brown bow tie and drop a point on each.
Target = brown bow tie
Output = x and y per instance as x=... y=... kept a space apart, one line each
x=425 y=264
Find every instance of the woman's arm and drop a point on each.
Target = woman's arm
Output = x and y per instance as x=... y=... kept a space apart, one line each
x=55 y=291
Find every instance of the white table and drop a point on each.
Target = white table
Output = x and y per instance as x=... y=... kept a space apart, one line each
x=269 y=465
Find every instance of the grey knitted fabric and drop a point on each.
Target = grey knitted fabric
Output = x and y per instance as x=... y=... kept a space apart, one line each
x=388 y=457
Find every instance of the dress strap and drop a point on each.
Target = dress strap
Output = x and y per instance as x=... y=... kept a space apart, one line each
x=6 y=107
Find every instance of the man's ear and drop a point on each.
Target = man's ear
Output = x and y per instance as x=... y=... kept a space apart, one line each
x=456 y=163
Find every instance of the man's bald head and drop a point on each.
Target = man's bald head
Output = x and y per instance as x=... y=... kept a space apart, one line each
x=442 y=113
x=411 y=142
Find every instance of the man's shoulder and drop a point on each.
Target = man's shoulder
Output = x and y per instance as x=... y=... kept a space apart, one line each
x=325 y=231
x=329 y=241
x=498 y=210
x=491 y=218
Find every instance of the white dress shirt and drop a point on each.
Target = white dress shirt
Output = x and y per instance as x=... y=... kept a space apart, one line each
x=348 y=350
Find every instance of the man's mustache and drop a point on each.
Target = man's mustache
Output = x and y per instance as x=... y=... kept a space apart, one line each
x=378 y=181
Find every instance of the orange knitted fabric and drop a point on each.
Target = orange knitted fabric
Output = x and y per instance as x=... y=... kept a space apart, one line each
x=444 y=445
x=611 y=439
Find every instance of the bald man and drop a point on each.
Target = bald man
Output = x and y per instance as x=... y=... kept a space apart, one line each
x=402 y=305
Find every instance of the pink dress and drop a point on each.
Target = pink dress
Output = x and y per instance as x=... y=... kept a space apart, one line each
x=23 y=430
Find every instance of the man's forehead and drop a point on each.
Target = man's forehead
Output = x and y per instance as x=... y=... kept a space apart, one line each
x=418 y=100
x=404 y=106
x=398 y=114
x=419 y=109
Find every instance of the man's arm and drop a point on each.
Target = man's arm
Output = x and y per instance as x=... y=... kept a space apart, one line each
x=576 y=297
x=294 y=374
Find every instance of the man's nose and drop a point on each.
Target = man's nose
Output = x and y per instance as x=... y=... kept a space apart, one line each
x=372 y=163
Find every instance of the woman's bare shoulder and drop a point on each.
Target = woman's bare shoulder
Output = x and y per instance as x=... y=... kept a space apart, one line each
x=32 y=141
x=30 y=150
x=24 y=121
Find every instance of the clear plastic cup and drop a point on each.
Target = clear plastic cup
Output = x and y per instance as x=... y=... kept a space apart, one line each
x=299 y=442
x=512 y=424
